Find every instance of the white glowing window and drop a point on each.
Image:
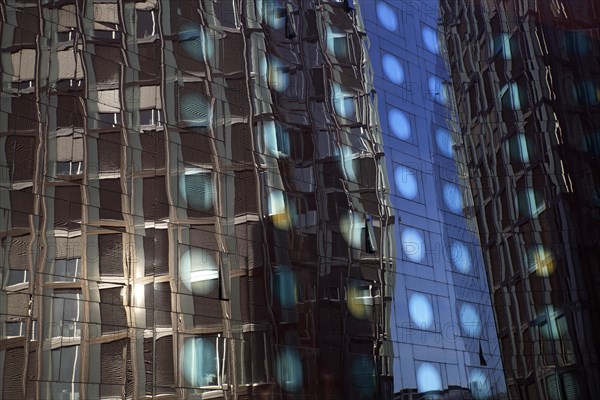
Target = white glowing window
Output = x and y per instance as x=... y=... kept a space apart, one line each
x=198 y=271
x=428 y=378
x=413 y=244
x=406 y=182
x=343 y=101
x=421 y=311
x=452 y=197
x=470 y=321
x=276 y=140
x=337 y=43
x=203 y=361
x=444 y=142
x=460 y=257
x=430 y=39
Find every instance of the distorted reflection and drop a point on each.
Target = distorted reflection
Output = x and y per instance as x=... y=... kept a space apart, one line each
x=530 y=202
x=276 y=140
x=540 y=260
x=420 y=310
x=196 y=42
x=406 y=182
x=452 y=197
x=501 y=44
x=347 y=161
x=196 y=188
x=337 y=42
x=461 y=257
x=279 y=209
x=363 y=375
x=511 y=96
x=392 y=68
x=199 y=361
x=351 y=228
x=198 y=271
x=399 y=123
x=271 y=12
x=520 y=148
x=430 y=39
x=470 y=321
x=288 y=369
x=413 y=244
x=444 y=142
x=437 y=89
x=360 y=300
x=479 y=385
x=276 y=73
x=343 y=101
x=194 y=110
x=428 y=378
x=284 y=287
x=387 y=16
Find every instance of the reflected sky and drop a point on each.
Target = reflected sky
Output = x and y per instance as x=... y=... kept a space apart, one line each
x=470 y=321
x=430 y=39
x=461 y=257
x=437 y=90
x=444 y=142
x=198 y=362
x=452 y=197
x=351 y=227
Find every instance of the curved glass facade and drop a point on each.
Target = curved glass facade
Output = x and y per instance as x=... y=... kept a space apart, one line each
x=443 y=330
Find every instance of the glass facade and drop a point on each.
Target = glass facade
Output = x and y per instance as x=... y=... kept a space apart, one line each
x=526 y=78
x=443 y=329
x=193 y=202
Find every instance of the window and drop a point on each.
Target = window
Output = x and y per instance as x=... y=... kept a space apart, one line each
x=66 y=313
x=255 y=357
x=203 y=361
x=66 y=270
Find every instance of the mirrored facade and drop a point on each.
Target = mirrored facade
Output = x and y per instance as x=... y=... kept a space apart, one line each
x=526 y=78
x=193 y=203
x=443 y=329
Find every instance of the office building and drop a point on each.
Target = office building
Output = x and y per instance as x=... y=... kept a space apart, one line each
x=443 y=330
x=192 y=202
x=527 y=80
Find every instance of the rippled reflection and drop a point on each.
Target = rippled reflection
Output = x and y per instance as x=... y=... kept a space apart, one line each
x=351 y=227
x=275 y=72
x=288 y=369
x=347 y=161
x=520 y=148
x=194 y=110
x=279 y=210
x=276 y=140
x=198 y=271
x=196 y=42
x=198 y=363
x=428 y=378
x=399 y=123
x=196 y=189
x=363 y=375
x=285 y=287
x=413 y=244
x=387 y=16
x=479 y=385
x=392 y=68
x=343 y=101
x=420 y=310
x=359 y=300
x=271 y=12
x=530 y=202
x=470 y=321
x=406 y=182
x=540 y=260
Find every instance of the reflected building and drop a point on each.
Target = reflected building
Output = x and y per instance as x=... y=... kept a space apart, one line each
x=443 y=329
x=193 y=202
x=526 y=78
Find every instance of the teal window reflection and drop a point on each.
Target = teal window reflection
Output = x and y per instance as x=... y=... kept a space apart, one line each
x=201 y=361
x=288 y=369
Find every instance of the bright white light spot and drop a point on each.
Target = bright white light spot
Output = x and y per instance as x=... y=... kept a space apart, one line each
x=347 y=160
x=392 y=68
x=541 y=260
x=470 y=321
x=351 y=227
x=406 y=182
x=428 y=378
x=198 y=271
x=420 y=310
x=413 y=244
x=387 y=16
x=452 y=197
x=399 y=123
